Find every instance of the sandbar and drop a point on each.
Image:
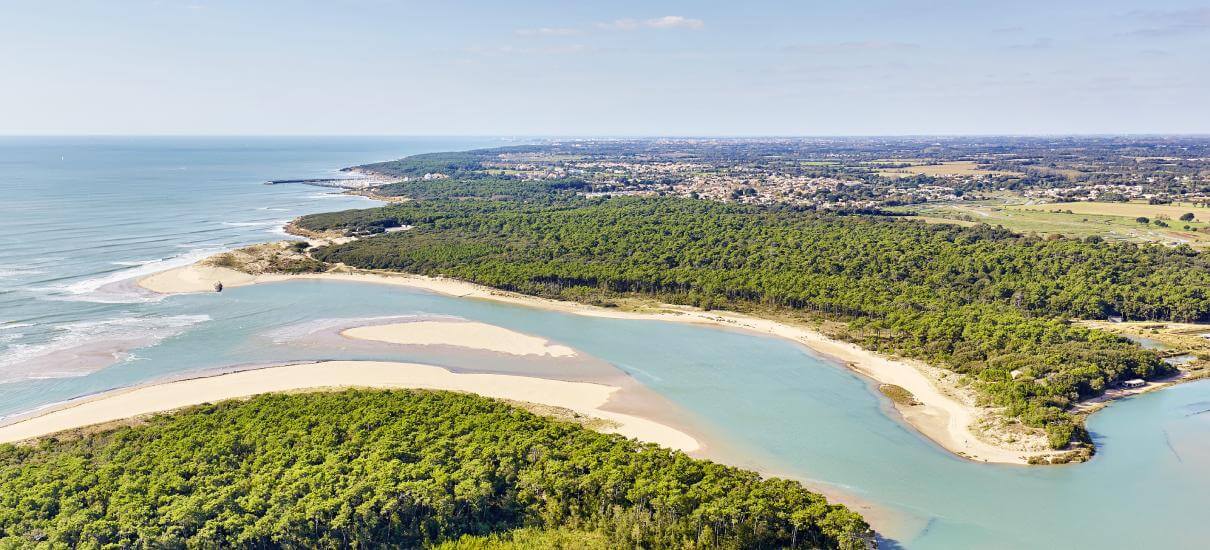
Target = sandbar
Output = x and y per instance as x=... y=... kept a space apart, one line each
x=462 y=334
x=581 y=397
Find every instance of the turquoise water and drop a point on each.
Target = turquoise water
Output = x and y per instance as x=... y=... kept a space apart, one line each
x=792 y=412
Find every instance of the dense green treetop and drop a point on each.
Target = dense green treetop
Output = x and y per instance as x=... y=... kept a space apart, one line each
x=448 y=163
x=392 y=469
x=847 y=262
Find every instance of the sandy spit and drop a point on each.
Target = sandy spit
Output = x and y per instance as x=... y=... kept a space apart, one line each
x=581 y=397
x=201 y=278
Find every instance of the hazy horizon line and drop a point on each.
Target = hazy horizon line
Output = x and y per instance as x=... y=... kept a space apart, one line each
x=615 y=136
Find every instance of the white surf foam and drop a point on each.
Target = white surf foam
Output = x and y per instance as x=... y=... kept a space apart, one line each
x=280 y=228
x=6 y=332
x=13 y=271
x=133 y=262
x=261 y=223
x=82 y=347
x=103 y=289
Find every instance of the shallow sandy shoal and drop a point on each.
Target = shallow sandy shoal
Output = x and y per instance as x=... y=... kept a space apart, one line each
x=581 y=397
x=462 y=334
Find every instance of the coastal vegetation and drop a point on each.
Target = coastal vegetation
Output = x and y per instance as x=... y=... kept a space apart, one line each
x=898 y=395
x=450 y=163
x=488 y=187
x=990 y=304
x=362 y=468
x=279 y=257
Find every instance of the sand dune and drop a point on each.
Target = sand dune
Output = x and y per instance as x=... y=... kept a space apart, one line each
x=201 y=278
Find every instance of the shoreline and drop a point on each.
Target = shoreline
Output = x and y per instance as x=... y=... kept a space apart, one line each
x=462 y=334
x=940 y=416
x=584 y=398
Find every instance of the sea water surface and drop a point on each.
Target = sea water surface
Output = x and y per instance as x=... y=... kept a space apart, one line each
x=71 y=230
x=78 y=215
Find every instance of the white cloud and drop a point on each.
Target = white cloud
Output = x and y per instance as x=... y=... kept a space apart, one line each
x=665 y=22
x=674 y=22
x=549 y=31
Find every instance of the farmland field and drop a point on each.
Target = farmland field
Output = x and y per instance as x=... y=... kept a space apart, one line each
x=1111 y=221
x=1126 y=209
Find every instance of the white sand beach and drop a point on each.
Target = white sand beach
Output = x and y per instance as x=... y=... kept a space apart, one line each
x=947 y=419
x=461 y=334
x=201 y=278
x=584 y=398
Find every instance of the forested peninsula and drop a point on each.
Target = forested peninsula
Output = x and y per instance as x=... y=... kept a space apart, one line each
x=992 y=305
x=403 y=468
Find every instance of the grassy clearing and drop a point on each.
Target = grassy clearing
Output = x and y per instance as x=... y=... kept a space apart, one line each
x=1168 y=212
x=955 y=221
x=1085 y=220
x=1175 y=338
x=901 y=396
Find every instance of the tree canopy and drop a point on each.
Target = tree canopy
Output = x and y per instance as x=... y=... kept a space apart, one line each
x=363 y=468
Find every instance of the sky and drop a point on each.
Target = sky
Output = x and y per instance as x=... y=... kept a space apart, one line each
x=604 y=68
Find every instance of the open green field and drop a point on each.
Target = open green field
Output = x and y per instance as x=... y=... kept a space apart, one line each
x=1111 y=221
x=1132 y=210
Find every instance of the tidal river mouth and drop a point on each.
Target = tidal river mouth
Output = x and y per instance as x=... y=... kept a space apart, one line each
x=775 y=405
x=122 y=207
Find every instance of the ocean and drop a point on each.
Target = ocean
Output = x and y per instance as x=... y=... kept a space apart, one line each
x=80 y=215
